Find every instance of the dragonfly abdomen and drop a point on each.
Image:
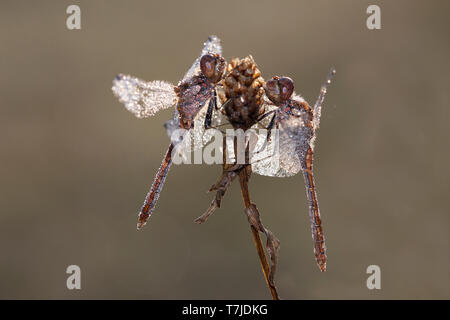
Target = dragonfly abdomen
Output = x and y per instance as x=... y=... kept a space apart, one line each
x=155 y=190
x=314 y=213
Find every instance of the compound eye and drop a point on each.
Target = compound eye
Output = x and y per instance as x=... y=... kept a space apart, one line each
x=208 y=65
x=272 y=89
x=286 y=87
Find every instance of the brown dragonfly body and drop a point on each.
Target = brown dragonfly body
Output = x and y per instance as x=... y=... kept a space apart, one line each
x=297 y=123
x=190 y=96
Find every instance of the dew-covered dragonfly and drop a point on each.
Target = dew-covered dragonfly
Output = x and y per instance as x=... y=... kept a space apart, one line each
x=296 y=123
x=195 y=101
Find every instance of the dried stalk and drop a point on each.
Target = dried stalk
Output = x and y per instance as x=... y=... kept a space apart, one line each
x=230 y=171
x=256 y=226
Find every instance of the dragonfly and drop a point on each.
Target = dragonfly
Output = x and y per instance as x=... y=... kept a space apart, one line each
x=195 y=102
x=296 y=123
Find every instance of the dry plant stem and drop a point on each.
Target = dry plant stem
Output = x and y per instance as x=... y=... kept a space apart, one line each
x=229 y=172
x=268 y=273
x=221 y=187
x=264 y=264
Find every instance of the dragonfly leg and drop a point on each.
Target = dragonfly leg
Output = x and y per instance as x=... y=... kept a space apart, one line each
x=211 y=107
x=265 y=115
x=215 y=100
x=270 y=126
x=269 y=133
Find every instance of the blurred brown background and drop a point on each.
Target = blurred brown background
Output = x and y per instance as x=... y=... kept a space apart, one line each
x=75 y=165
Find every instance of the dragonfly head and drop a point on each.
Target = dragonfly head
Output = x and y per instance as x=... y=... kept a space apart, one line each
x=212 y=67
x=279 y=89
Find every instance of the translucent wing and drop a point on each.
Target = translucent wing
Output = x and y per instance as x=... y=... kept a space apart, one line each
x=287 y=148
x=198 y=136
x=171 y=126
x=143 y=99
x=212 y=45
x=265 y=154
x=269 y=110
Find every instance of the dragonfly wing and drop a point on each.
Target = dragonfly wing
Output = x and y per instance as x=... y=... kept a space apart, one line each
x=196 y=138
x=295 y=138
x=172 y=126
x=278 y=157
x=144 y=99
x=289 y=142
x=202 y=136
x=212 y=45
x=265 y=153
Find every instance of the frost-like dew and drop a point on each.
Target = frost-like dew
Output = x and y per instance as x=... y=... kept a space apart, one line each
x=291 y=136
x=201 y=136
x=143 y=99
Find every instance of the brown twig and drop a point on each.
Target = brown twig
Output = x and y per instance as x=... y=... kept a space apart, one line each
x=244 y=176
x=264 y=263
x=243 y=171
